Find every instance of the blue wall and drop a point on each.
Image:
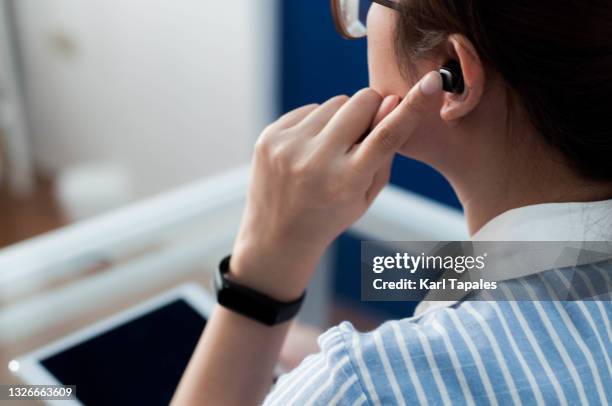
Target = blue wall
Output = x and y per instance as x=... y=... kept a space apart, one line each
x=317 y=64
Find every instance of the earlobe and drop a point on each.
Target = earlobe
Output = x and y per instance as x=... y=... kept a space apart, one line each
x=457 y=106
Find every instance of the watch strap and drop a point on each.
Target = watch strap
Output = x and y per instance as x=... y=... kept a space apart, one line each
x=251 y=303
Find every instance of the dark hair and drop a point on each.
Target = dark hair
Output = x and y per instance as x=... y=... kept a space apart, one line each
x=555 y=56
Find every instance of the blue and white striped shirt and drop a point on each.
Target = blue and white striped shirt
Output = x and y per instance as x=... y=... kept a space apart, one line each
x=473 y=352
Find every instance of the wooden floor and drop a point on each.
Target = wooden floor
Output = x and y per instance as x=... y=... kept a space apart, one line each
x=22 y=218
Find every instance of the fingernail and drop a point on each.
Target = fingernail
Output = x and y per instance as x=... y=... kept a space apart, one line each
x=431 y=84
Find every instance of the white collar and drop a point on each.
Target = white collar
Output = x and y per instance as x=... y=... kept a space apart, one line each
x=590 y=221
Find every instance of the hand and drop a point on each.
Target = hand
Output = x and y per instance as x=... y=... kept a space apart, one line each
x=311 y=179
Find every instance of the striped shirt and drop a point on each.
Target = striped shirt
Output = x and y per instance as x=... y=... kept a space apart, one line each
x=539 y=352
x=475 y=351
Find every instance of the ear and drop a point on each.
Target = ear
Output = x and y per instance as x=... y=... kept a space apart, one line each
x=457 y=106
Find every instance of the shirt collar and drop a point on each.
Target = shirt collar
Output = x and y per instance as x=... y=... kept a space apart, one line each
x=589 y=221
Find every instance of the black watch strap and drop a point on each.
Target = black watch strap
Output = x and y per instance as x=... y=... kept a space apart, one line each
x=251 y=303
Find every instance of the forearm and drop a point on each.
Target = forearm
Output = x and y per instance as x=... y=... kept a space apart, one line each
x=235 y=359
x=233 y=363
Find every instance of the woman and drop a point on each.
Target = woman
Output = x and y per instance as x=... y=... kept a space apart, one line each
x=526 y=146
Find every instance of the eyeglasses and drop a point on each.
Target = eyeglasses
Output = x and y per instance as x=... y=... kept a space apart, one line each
x=350 y=15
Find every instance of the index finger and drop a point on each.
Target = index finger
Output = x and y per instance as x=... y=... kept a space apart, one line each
x=395 y=129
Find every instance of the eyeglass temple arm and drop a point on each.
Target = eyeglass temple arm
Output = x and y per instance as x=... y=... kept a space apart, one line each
x=388 y=3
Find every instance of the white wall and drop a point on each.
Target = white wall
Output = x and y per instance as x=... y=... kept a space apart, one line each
x=15 y=154
x=171 y=89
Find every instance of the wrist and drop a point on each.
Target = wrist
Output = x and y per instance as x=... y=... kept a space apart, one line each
x=251 y=303
x=277 y=275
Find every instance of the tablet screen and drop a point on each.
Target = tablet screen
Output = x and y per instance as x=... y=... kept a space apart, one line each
x=139 y=362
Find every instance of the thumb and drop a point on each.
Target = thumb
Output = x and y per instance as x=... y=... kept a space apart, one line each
x=398 y=126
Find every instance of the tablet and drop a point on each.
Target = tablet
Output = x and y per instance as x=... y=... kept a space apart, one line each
x=134 y=357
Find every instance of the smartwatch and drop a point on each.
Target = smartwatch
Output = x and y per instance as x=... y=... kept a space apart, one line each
x=251 y=303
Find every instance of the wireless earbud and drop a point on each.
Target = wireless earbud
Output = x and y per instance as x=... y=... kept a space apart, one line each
x=452 y=77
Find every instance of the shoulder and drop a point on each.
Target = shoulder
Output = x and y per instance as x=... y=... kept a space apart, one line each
x=475 y=351
x=396 y=363
x=400 y=362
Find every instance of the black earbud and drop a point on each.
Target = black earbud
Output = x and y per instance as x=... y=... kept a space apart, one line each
x=452 y=77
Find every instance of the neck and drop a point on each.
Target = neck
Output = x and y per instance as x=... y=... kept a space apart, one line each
x=534 y=176
x=480 y=210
